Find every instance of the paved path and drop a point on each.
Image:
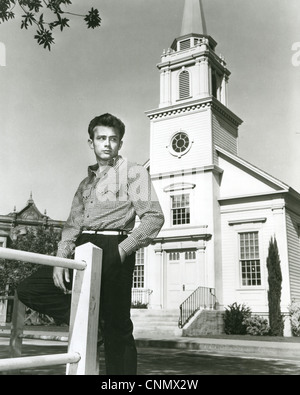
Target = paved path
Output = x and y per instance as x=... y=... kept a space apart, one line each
x=169 y=362
x=266 y=347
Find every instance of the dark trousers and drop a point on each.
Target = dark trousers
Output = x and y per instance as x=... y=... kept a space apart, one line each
x=40 y=294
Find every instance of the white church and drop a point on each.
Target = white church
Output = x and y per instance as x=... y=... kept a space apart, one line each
x=220 y=210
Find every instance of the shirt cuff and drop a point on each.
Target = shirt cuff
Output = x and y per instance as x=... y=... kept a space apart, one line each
x=65 y=250
x=62 y=254
x=129 y=245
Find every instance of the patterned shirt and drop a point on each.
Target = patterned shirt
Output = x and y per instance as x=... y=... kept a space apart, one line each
x=111 y=200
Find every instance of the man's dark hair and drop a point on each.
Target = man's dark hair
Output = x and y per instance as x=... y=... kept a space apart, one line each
x=109 y=121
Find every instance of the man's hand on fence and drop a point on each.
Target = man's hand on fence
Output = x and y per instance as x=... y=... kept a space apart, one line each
x=60 y=277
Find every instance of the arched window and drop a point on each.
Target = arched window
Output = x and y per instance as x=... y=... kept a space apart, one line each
x=184 y=84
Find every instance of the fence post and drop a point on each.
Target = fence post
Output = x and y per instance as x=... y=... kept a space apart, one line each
x=83 y=332
x=17 y=326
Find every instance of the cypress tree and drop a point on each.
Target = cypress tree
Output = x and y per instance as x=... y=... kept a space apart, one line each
x=274 y=293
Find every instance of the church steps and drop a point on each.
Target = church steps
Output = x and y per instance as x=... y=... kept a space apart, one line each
x=155 y=322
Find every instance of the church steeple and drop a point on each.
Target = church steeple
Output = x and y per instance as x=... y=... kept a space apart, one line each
x=190 y=68
x=193 y=27
x=193 y=117
x=193 y=18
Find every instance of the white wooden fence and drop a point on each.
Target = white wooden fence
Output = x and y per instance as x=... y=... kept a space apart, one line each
x=81 y=358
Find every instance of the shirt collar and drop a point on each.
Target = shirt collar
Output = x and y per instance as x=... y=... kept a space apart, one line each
x=114 y=162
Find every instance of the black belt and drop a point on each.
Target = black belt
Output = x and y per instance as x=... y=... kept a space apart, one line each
x=106 y=232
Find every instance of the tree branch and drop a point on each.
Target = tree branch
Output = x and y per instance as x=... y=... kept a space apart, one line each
x=33 y=14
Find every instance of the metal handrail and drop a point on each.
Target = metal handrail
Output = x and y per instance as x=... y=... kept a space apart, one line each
x=140 y=297
x=201 y=298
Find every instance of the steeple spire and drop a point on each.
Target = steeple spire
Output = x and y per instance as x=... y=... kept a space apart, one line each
x=193 y=18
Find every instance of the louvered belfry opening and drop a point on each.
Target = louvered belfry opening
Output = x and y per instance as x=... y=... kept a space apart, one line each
x=185 y=44
x=184 y=84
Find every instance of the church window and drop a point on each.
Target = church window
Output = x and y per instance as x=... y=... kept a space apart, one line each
x=174 y=256
x=180 y=211
x=180 y=142
x=184 y=84
x=249 y=259
x=190 y=255
x=138 y=275
x=185 y=44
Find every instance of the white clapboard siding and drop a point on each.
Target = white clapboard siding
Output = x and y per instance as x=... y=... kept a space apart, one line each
x=292 y=223
x=224 y=134
x=255 y=297
x=197 y=125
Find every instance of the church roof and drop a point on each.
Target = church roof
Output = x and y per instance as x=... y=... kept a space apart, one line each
x=193 y=18
x=193 y=24
x=268 y=179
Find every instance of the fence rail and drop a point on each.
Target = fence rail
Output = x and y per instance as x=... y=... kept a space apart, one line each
x=40 y=259
x=40 y=361
x=81 y=358
x=7 y=298
x=201 y=298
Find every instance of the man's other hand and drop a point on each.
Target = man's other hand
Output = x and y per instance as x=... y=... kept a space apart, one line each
x=60 y=277
x=122 y=254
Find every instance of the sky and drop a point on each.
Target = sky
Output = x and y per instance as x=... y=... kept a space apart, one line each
x=47 y=99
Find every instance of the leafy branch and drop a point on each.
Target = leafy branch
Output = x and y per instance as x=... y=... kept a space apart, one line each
x=34 y=15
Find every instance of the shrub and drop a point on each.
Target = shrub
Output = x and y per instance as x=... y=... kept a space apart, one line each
x=257 y=326
x=294 y=310
x=234 y=319
x=39 y=240
x=139 y=305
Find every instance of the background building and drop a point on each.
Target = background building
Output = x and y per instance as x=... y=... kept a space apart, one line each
x=16 y=223
x=220 y=210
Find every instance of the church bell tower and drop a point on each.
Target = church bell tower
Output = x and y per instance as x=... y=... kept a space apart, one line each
x=199 y=72
x=193 y=114
x=191 y=121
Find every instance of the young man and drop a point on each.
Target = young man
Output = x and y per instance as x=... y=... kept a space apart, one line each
x=103 y=212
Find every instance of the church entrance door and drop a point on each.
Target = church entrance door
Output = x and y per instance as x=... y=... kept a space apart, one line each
x=182 y=276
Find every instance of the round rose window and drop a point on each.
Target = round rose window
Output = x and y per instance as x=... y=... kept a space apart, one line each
x=180 y=142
